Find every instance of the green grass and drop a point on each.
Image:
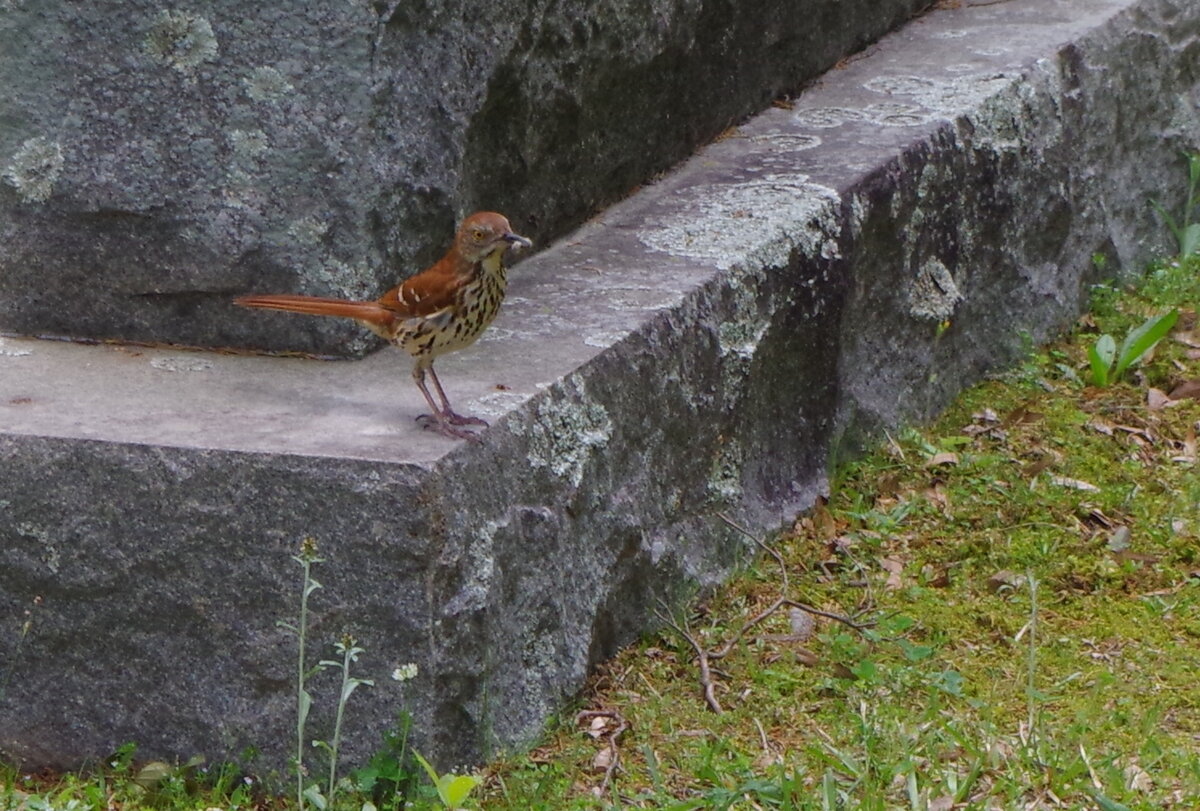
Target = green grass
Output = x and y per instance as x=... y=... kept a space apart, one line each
x=1030 y=569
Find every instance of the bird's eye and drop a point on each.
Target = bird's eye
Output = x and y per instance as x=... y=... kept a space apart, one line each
x=477 y=235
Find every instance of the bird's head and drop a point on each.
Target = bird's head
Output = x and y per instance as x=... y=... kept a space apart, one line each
x=485 y=233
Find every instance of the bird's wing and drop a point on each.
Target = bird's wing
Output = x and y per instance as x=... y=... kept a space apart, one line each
x=422 y=295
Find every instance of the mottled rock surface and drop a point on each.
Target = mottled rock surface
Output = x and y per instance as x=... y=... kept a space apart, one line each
x=703 y=348
x=156 y=160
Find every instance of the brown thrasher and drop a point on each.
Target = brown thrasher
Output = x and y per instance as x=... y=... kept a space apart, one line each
x=442 y=309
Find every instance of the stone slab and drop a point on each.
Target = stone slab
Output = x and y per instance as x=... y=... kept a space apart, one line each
x=155 y=160
x=705 y=348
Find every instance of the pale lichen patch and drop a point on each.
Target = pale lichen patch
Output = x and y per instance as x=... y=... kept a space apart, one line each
x=753 y=224
x=34 y=168
x=181 y=39
x=266 y=83
x=932 y=292
x=563 y=432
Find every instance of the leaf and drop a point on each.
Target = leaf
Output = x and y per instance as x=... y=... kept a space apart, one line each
x=429 y=770
x=455 y=788
x=948 y=681
x=1005 y=580
x=1109 y=805
x=152 y=774
x=913 y=652
x=313 y=795
x=1100 y=357
x=802 y=624
x=304 y=705
x=1141 y=340
x=1074 y=484
x=942 y=458
x=602 y=760
x=352 y=685
x=1189 y=240
x=1157 y=399
x=894 y=567
x=1186 y=389
x=1118 y=539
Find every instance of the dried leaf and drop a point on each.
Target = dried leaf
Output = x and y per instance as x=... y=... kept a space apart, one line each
x=1031 y=470
x=943 y=458
x=1020 y=415
x=1187 y=338
x=1157 y=399
x=1004 y=580
x=603 y=760
x=1074 y=484
x=893 y=567
x=1137 y=778
x=986 y=415
x=824 y=524
x=943 y=803
x=938 y=496
x=805 y=657
x=1186 y=389
x=935 y=578
x=803 y=625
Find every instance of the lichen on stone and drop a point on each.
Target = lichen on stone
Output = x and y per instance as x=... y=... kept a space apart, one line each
x=754 y=224
x=932 y=292
x=266 y=83
x=563 y=431
x=248 y=143
x=308 y=230
x=34 y=168
x=181 y=39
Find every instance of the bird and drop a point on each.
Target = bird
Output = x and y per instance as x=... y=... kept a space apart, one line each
x=442 y=309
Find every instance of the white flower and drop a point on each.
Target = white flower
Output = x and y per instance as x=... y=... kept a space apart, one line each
x=405 y=672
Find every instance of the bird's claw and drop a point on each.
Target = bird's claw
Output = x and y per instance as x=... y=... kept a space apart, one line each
x=459 y=419
x=446 y=427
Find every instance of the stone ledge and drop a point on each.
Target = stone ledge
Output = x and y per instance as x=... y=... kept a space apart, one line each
x=705 y=347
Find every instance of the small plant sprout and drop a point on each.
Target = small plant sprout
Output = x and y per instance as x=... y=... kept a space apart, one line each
x=1186 y=232
x=1103 y=354
x=306 y=559
x=349 y=653
x=452 y=789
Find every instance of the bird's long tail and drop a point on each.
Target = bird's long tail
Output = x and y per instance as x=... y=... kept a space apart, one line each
x=367 y=312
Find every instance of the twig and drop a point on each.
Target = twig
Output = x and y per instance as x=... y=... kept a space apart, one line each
x=614 y=751
x=702 y=657
x=762 y=736
x=761 y=545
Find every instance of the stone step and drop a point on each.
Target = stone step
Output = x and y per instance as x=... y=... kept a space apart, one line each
x=703 y=350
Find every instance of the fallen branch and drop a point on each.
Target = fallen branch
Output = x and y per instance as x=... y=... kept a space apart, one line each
x=705 y=657
x=612 y=760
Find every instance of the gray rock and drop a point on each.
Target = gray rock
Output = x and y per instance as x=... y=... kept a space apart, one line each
x=705 y=348
x=157 y=161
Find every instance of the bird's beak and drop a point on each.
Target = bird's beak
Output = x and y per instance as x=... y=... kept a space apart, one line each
x=517 y=239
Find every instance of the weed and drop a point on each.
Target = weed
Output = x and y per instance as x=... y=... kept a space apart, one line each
x=349 y=653
x=306 y=559
x=1138 y=342
x=452 y=789
x=1185 y=230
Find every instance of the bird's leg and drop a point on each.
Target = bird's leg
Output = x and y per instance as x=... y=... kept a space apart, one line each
x=438 y=420
x=447 y=411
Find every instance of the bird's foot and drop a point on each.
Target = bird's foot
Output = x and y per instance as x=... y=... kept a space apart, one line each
x=459 y=419
x=445 y=427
